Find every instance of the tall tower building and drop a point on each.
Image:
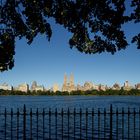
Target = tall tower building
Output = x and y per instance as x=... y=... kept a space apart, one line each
x=55 y=87
x=126 y=84
x=65 y=79
x=71 y=80
x=34 y=85
x=64 y=87
x=68 y=85
x=71 y=84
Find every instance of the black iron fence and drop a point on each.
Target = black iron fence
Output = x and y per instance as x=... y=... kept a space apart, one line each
x=111 y=123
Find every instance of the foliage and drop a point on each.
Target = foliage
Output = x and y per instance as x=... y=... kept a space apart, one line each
x=59 y=93
x=96 y=25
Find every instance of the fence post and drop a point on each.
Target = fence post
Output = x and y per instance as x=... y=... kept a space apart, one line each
x=50 y=123
x=17 y=123
x=117 y=114
x=80 y=123
x=62 y=121
x=43 y=123
x=24 y=122
x=98 y=123
x=92 y=123
x=11 y=123
x=5 y=115
x=68 y=123
x=128 y=121
x=30 y=123
x=104 y=123
x=86 y=123
x=111 y=113
x=56 y=123
x=74 y=113
x=122 y=123
x=37 y=123
x=139 y=123
x=134 y=122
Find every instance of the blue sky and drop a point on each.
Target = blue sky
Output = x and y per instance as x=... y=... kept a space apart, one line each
x=46 y=62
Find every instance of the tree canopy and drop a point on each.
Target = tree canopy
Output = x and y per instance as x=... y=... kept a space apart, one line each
x=96 y=25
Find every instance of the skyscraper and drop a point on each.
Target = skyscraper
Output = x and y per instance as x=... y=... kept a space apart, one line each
x=64 y=87
x=34 y=85
x=71 y=80
x=55 y=87
x=68 y=86
x=65 y=79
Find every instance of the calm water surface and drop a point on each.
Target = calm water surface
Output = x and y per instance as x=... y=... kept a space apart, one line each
x=69 y=101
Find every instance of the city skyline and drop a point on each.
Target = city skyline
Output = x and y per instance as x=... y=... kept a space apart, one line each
x=68 y=84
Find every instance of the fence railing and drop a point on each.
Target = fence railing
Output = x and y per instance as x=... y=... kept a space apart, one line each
x=111 y=123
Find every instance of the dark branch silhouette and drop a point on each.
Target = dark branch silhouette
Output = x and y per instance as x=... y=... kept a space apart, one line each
x=96 y=25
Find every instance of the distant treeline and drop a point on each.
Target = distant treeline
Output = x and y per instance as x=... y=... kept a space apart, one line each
x=91 y=92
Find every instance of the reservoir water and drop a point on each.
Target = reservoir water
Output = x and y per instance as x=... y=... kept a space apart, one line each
x=68 y=101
